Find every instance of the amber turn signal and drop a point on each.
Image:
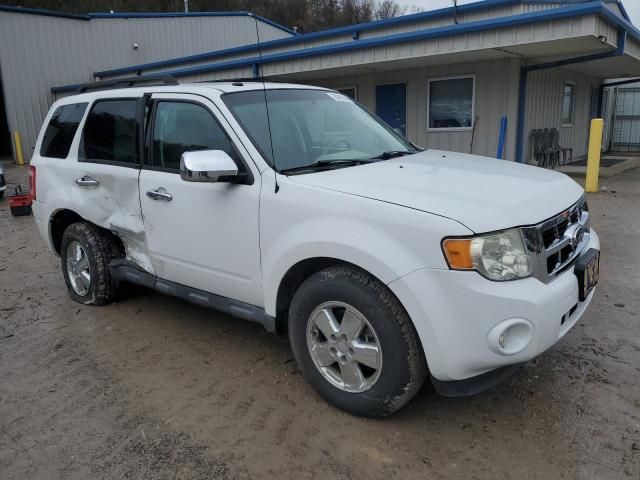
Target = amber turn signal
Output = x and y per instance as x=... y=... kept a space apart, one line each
x=458 y=253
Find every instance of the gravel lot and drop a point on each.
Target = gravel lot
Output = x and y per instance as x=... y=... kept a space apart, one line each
x=153 y=387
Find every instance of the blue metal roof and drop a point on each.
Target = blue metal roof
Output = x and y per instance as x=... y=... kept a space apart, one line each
x=578 y=8
x=92 y=16
x=353 y=30
x=589 y=8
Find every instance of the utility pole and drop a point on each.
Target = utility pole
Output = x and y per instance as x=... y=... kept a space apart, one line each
x=186 y=6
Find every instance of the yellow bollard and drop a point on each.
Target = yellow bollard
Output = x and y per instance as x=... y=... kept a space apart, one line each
x=18 y=145
x=595 y=150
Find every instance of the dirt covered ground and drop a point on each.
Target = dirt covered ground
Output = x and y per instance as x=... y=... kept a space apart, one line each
x=153 y=387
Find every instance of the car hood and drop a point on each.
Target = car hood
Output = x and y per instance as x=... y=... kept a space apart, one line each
x=482 y=193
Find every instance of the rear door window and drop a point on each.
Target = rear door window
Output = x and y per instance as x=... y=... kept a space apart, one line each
x=111 y=132
x=61 y=130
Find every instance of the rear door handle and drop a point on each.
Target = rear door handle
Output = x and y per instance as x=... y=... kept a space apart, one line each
x=87 y=181
x=159 y=194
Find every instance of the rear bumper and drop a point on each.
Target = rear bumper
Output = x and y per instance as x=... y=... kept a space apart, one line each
x=457 y=315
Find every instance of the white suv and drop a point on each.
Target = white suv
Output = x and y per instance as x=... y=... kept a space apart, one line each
x=294 y=207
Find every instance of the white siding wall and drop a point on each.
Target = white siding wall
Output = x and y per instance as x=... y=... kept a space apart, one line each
x=497 y=40
x=38 y=52
x=496 y=97
x=633 y=48
x=502 y=38
x=544 y=107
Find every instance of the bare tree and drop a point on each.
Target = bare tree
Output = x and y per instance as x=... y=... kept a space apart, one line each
x=388 y=9
x=307 y=15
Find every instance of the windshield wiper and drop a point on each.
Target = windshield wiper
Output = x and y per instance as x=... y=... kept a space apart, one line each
x=328 y=163
x=392 y=154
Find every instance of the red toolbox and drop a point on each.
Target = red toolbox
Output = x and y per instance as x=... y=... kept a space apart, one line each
x=20 y=203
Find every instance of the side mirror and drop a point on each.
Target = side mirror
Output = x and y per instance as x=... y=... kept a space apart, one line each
x=206 y=166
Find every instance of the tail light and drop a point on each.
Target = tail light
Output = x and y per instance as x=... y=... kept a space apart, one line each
x=32 y=181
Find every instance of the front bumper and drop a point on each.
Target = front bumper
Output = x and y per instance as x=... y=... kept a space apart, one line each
x=456 y=315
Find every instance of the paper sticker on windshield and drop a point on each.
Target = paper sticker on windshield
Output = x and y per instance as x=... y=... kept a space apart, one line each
x=338 y=97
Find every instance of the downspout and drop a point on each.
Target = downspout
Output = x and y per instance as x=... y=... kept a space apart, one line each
x=600 y=100
x=524 y=74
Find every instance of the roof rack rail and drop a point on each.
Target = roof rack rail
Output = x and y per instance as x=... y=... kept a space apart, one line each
x=240 y=79
x=149 y=80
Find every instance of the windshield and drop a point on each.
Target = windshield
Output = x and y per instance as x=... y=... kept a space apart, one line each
x=312 y=127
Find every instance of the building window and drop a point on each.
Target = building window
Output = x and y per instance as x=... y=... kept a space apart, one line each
x=451 y=103
x=351 y=92
x=61 y=130
x=568 y=103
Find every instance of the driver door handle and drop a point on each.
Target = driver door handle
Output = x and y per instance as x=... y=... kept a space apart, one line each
x=159 y=194
x=87 y=181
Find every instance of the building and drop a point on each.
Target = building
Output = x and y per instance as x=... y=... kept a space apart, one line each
x=476 y=78
x=40 y=49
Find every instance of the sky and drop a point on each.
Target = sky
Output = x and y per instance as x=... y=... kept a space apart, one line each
x=632 y=6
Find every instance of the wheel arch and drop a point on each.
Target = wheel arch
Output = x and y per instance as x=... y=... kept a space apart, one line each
x=295 y=276
x=60 y=221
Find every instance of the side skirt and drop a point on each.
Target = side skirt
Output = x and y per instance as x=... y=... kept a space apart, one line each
x=125 y=271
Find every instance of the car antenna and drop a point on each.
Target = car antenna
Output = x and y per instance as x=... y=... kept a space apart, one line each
x=260 y=72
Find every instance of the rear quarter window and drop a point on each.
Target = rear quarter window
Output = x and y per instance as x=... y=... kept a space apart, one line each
x=61 y=130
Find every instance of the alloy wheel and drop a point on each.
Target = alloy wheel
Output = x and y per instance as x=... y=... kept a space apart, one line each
x=344 y=347
x=78 y=268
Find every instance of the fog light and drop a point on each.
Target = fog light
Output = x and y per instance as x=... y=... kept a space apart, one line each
x=510 y=336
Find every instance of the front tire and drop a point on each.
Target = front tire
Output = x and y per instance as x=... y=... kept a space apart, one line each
x=86 y=251
x=355 y=343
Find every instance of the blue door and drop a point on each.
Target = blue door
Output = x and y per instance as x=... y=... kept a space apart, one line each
x=391 y=105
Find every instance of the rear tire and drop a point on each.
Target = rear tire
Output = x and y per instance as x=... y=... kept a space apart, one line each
x=377 y=369
x=85 y=253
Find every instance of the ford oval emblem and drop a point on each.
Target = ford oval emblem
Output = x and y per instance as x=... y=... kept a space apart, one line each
x=578 y=236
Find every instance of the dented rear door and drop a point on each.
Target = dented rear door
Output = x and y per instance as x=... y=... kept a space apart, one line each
x=105 y=180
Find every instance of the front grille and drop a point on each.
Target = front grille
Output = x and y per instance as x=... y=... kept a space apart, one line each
x=555 y=233
x=562 y=238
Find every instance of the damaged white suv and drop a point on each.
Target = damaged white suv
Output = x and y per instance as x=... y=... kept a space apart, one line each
x=294 y=207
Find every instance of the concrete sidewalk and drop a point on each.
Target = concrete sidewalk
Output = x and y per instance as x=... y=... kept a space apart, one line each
x=610 y=166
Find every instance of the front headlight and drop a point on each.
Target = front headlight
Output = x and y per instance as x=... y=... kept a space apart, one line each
x=499 y=256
